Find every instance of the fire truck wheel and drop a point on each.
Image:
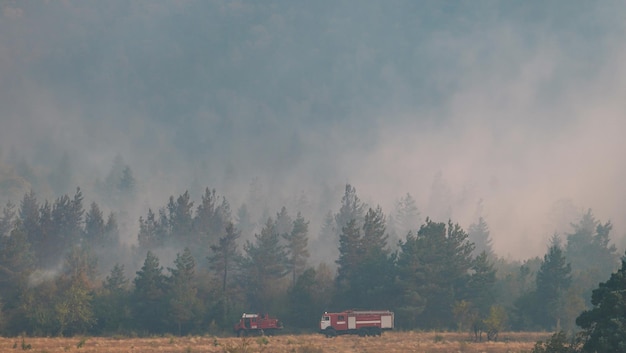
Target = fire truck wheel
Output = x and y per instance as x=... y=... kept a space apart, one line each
x=330 y=332
x=376 y=331
x=363 y=332
x=241 y=333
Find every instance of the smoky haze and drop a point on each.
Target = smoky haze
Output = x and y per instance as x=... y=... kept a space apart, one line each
x=510 y=111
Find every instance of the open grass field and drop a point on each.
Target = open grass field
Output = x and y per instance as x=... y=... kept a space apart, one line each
x=389 y=342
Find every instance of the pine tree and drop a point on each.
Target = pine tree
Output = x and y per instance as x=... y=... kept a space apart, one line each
x=350 y=251
x=224 y=262
x=94 y=226
x=604 y=326
x=7 y=220
x=406 y=216
x=183 y=303
x=264 y=265
x=148 y=298
x=351 y=209
x=297 y=242
x=224 y=256
x=283 y=224
x=211 y=219
x=111 y=304
x=148 y=236
x=480 y=286
x=479 y=235
x=181 y=218
x=433 y=267
x=376 y=272
x=30 y=221
x=553 y=280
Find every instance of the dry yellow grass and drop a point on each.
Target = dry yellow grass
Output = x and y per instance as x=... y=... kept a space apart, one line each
x=390 y=342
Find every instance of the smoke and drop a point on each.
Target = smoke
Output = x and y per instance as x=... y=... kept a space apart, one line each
x=517 y=105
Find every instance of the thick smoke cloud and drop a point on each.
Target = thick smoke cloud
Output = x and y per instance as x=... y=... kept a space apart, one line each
x=512 y=111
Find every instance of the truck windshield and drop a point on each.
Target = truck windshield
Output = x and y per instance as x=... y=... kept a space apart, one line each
x=326 y=318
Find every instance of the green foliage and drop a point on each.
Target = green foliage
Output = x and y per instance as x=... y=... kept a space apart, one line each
x=183 y=303
x=148 y=297
x=604 y=326
x=433 y=269
x=112 y=302
x=558 y=343
x=495 y=322
x=480 y=285
x=264 y=265
x=553 y=281
x=296 y=246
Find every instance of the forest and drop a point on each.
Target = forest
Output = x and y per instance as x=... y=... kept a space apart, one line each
x=166 y=166
x=195 y=267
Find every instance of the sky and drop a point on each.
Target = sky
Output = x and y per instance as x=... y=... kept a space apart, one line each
x=512 y=111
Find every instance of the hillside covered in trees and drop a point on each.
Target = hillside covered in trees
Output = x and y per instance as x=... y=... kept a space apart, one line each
x=196 y=266
x=168 y=165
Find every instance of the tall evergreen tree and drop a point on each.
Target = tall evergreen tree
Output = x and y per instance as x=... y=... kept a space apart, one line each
x=604 y=326
x=350 y=252
x=478 y=234
x=7 y=219
x=183 y=303
x=224 y=261
x=283 y=224
x=148 y=236
x=480 y=286
x=264 y=265
x=553 y=280
x=406 y=216
x=148 y=298
x=224 y=256
x=351 y=209
x=94 y=226
x=244 y=221
x=112 y=303
x=17 y=263
x=181 y=218
x=434 y=267
x=376 y=272
x=29 y=220
x=410 y=299
x=297 y=251
x=210 y=220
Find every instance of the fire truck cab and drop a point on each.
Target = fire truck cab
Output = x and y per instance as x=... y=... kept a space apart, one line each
x=361 y=322
x=257 y=323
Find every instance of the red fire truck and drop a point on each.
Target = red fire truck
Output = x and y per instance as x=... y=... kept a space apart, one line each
x=361 y=322
x=257 y=324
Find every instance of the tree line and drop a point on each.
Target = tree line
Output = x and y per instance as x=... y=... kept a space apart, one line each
x=64 y=270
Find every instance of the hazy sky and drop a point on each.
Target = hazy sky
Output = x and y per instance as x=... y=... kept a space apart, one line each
x=514 y=106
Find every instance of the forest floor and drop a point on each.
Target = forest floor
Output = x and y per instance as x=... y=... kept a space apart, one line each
x=389 y=342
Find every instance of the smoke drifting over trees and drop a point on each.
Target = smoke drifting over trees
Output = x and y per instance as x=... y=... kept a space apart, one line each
x=338 y=134
x=515 y=104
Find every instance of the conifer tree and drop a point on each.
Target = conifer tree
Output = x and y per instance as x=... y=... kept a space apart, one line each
x=148 y=298
x=478 y=234
x=183 y=303
x=553 y=280
x=604 y=325
x=264 y=264
x=297 y=242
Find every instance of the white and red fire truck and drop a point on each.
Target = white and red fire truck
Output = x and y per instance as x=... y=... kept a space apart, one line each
x=257 y=324
x=361 y=322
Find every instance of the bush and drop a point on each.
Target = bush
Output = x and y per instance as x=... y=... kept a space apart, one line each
x=558 y=343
